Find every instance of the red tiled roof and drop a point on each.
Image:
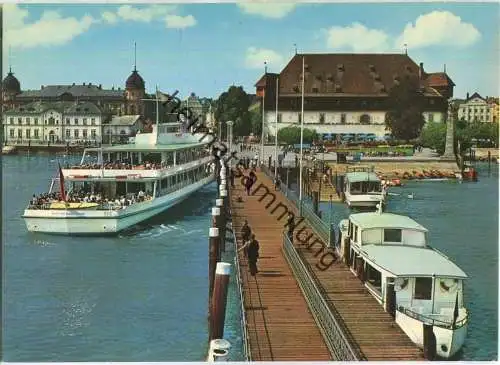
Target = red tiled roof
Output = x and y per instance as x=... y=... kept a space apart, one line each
x=348 y=74
x=438 y=79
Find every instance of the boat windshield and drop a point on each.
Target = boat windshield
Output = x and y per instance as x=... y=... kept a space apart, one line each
x=365 y=187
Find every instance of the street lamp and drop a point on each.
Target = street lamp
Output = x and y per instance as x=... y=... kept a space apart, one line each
x=230 y=124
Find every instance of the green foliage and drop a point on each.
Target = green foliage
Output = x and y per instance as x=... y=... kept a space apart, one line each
x=291 y=135
x=256 y=122
x=434 y=136
x=404 y=118
x=233 y=105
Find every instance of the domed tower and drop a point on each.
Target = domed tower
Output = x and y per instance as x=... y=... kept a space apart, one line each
x=10 y=88
x=134 y=91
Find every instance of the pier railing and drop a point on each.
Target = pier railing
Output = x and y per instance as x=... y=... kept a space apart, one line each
x=321 y=228
x=244 y=326
x=341 y=347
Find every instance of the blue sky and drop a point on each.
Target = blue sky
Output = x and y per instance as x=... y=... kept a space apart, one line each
x=205 y=48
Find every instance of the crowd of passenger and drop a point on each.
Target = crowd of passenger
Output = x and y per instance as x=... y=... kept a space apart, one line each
x=82 y=196
x=121 y=165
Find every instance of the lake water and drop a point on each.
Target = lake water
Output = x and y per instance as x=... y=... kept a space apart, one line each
x=140 y=296
x=462 y=220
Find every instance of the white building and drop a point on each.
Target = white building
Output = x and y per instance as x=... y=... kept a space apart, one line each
x=59 y=122
x=347 y=93
x=476 y=108
x=120 y=128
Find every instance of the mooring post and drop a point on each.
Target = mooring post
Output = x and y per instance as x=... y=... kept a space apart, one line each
x=220 y=204
x=213 y=243
x=390 y=299
x=489 y=161
x=429 y=342
x=219 y=300
x=216 y=223
x=315 y=196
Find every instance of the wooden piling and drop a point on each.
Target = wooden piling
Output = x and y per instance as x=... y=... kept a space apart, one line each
x=220 y=204
x=315 y=196
x=429 y=342
x=390 y=299
x=216 y=223
x=219 y=300
x=213 y=247
x=347 y=250
x=489 y=161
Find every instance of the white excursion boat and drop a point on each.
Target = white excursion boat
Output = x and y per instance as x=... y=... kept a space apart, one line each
x=142 y=179
x=417 y=284
x=363 y=188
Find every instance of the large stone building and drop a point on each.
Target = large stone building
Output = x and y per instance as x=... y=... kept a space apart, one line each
x=56 y=122
x=347 y=93
x=115 y=101
x=475 y=108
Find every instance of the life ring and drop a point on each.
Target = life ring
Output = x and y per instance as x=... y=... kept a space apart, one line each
x=400 y=284
x=448 y=285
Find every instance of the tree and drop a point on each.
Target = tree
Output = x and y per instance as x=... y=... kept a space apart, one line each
x=434 y=136
x=256 y=122
x=406 y=103
x=291 y=135
x=233 y=105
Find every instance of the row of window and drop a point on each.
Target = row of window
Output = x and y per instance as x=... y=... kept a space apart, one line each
x=364 y=119
x=482 y=110
x=51 y=121
x=93 y=133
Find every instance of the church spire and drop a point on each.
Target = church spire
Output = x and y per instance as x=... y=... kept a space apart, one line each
x=135 y=56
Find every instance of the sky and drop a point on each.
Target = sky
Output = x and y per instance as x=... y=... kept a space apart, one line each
x=205 y=48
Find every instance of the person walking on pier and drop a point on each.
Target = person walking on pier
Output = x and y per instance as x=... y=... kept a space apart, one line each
x=251 y=250
x=245 y=231
x=231 y=177
x=291 y=226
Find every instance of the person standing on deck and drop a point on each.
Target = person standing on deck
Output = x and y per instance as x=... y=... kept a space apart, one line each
x=245 y=231
x=252 y=252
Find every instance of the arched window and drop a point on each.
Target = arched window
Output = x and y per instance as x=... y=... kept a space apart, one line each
x=365 y=119
x=52 y=121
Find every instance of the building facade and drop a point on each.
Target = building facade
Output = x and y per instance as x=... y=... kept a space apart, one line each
x=346 y=93
x=58 y=122
x=475 y=108
x=121 y=128
x=115 y=101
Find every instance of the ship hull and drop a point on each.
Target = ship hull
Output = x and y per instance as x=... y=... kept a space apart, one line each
x=105 y=222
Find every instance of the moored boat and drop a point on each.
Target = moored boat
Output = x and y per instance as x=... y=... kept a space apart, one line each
x=139 y=180
x=363 y=188
x=417 y=284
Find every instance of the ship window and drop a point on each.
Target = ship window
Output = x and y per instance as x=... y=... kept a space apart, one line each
x=423 y=288
x=392 y=235
x=355 y=233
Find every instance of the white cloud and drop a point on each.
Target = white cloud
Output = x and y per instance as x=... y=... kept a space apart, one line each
x=357 y=38
x=267 y=9
x=50 y=30
x=145 y=14
x=180 y=22
x=255 y=58
x=149 y=14
x=109 y=17
x=438 y=28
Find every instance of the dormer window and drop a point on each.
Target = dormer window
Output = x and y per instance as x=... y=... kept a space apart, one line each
x=340 y=67
x=393 y=235
x=338 y=88
x=372 y=68
x=377 y=77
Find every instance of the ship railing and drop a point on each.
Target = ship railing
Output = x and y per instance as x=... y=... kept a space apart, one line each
x=338 y=338
x=430 y=318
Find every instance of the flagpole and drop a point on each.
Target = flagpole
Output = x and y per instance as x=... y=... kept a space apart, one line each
x=301 y=136
x=263 y=113
x=276 y=132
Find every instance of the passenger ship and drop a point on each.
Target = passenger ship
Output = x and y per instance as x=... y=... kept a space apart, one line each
x=363 y=188
x=142 y=179
x=417 y=284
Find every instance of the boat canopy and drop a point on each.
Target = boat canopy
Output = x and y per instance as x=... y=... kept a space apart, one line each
x=385 y=220
x=146 y=148
x=411 y=261
x=360 y=176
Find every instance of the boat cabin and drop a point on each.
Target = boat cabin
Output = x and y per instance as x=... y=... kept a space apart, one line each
x=362 y=183
x=390 y=255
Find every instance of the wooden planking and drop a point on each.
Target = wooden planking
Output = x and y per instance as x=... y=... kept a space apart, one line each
x=374 y=330
x=280 y=325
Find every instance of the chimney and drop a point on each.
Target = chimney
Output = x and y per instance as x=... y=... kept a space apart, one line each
x=421 y=71
x=83 y=84
x=100 y=86
x=41 y=87
x=467 y=96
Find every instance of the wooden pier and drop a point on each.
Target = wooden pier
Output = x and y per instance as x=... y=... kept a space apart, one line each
x=279 y=323
x=280 y=326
